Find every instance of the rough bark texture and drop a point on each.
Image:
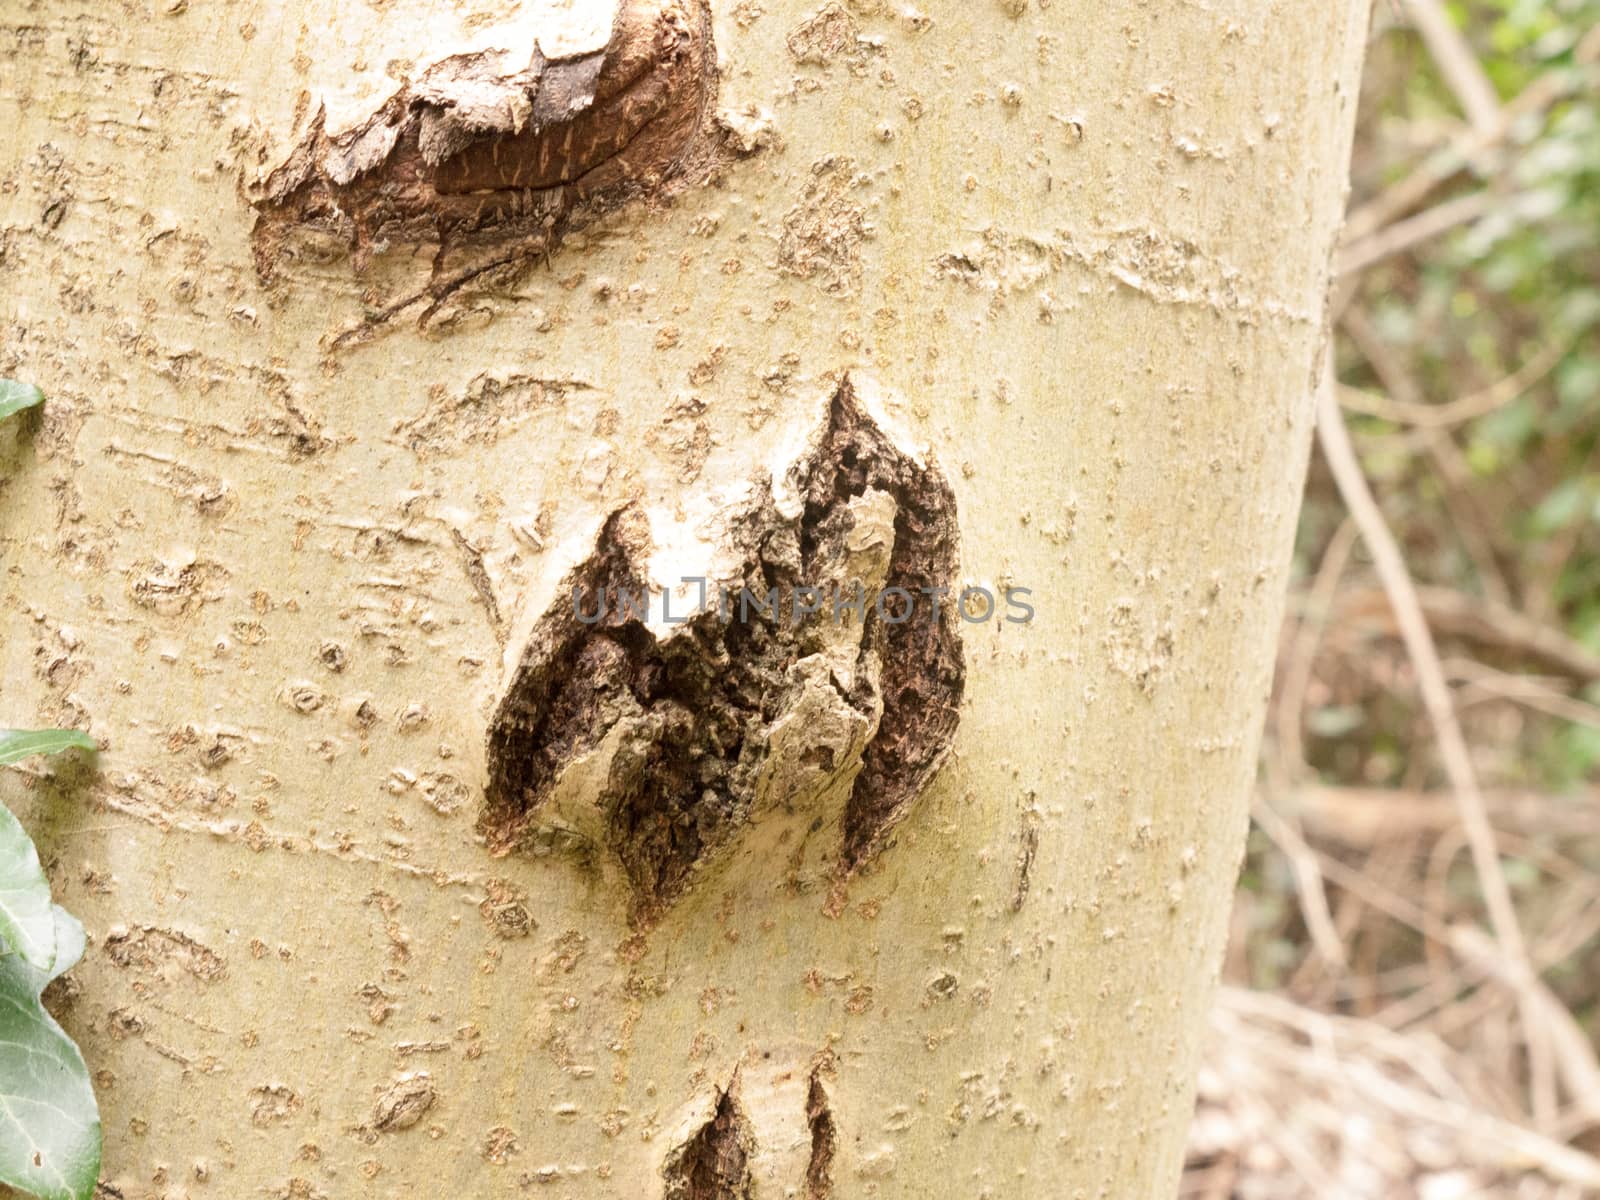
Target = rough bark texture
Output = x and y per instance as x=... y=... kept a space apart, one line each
x=287 y=575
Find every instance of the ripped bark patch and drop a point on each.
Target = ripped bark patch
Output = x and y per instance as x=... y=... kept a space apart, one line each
x=500 y=153
x=403 y=1103
x=660 y=740
x=163 y=952
x=714 y=1164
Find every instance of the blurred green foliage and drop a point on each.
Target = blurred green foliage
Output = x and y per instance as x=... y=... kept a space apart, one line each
x=1462 y=312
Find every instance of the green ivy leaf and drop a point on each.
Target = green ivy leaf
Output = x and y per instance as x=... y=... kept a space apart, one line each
x=49 y=1122
x=26 y=927
x=14 y=397
x=17 y=744
x=71 y=941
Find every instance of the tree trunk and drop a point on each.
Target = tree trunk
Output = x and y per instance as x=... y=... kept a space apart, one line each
x=364 y=345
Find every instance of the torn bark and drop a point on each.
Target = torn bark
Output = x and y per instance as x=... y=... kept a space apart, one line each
x=501 y=147
x=678 y=734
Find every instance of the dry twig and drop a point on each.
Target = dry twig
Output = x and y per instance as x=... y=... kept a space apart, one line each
x=1352 y=484
x=1459 y=66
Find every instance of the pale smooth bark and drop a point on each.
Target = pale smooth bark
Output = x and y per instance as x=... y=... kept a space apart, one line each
x=1081 y=254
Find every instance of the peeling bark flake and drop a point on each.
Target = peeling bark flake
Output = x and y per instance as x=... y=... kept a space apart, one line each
x=478 y=576
x=502 y=152
x=403 y=1103
x=1025 y=857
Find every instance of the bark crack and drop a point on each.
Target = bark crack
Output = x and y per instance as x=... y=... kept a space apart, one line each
x=714 y=1164
x=824 y=1140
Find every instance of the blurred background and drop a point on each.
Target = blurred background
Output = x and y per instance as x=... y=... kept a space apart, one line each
x=1411 y=1000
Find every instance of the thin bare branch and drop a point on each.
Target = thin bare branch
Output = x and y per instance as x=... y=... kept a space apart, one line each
x=1575 y=1057
x=1340 y=456
x=1475 y=148
x=1459 y=66
x=1485 y=684
x=1465 y=408
x=1303 y=649
x=1460 y=496
x=1308 y=880
x=1486 y=623
x=1360 y=817
x=1356 y=256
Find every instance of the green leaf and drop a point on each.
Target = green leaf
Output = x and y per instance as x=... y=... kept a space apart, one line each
x=1561 y=506
x=49 y=1122
x=1335 y=720
x=26 y=926
x=17 y=744
x=14 y=397
x=71 y=941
